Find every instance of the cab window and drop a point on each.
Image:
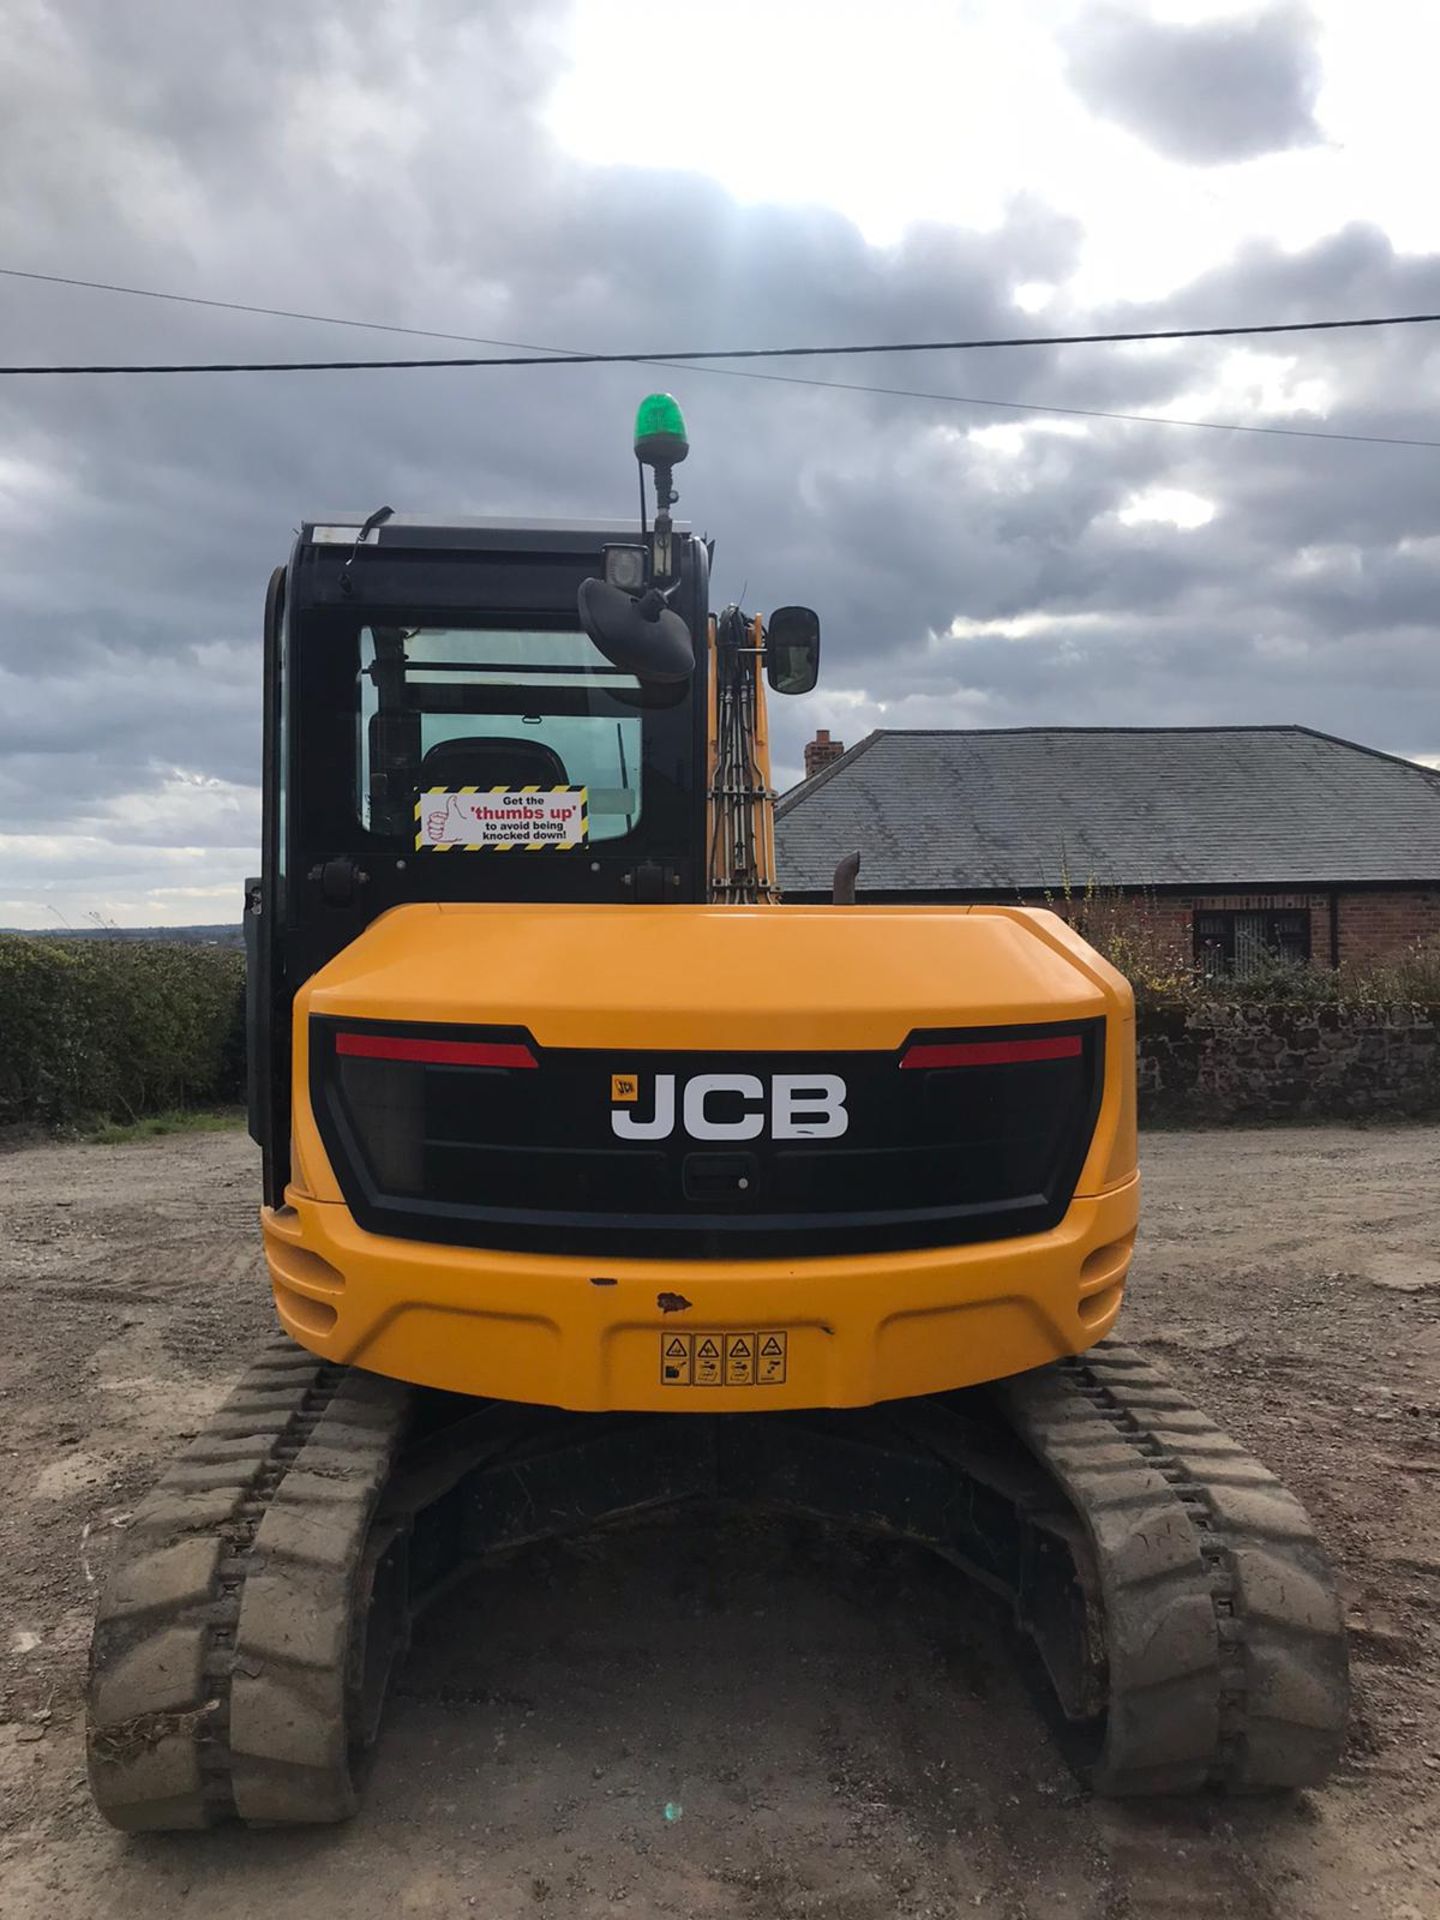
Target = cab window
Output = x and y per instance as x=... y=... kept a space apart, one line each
x=461 y=707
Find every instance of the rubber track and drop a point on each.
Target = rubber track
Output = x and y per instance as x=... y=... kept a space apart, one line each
x=1224 y=1631
x=219 y=1658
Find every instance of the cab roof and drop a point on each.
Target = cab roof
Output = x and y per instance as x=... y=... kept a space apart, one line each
x=457 y=530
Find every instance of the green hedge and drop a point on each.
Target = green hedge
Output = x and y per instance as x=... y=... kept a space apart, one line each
x=96 y=1029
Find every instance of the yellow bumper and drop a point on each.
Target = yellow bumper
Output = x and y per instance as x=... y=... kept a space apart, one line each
x=740 y=1337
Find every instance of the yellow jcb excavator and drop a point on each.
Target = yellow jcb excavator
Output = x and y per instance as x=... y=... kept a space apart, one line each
x=597 y=1178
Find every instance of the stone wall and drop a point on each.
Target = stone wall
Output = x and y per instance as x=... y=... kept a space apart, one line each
x=1258 y=1062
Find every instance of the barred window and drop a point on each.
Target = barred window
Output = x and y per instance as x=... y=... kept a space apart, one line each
x=1245 y=941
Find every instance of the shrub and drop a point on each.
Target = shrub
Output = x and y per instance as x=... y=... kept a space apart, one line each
x=1134 y=935
x=93 y=1029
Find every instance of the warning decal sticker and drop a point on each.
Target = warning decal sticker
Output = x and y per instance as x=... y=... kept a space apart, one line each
x=723 y=1359
x=501 y=819
x=771 y=1363
x=675 y=1359
x=740 y=1359
x=708 y=1360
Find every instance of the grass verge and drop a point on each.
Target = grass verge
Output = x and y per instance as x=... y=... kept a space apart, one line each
x=176 y=1120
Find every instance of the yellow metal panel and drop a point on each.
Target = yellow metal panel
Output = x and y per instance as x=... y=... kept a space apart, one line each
x=728 y=978
x=718 y=979
x=536 y=1328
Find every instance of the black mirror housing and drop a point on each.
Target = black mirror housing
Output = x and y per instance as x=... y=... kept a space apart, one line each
x=792 y=649
x=637 y=634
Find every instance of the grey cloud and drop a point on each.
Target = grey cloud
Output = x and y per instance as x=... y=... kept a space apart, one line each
x=1216 y=91
x=409 y=179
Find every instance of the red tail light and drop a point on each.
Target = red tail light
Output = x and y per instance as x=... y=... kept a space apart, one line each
x=435 y=1053
x=992 y=1053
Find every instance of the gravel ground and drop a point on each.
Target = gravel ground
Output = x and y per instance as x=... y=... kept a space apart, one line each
x=761 y=1720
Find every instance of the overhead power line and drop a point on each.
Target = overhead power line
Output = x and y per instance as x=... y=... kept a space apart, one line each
x=273 y=313
x=563 y=355
x=560 y=354
x=686 y=355
x=528 y=347
x=1106 y=413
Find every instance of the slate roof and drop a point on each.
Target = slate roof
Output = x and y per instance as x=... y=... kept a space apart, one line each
x=1035 y=807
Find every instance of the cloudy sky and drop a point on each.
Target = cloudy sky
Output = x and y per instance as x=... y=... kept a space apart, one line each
x=617 y=174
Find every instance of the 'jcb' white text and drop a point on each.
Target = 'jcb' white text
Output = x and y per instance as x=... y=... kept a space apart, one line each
x=801 y=1106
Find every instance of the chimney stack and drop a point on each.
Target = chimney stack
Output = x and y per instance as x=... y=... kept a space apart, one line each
x=821 y=751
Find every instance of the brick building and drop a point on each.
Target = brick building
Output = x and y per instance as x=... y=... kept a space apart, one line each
x=1235 y=842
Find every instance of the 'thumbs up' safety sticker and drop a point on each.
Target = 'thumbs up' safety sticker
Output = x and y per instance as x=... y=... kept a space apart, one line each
x=501 y=819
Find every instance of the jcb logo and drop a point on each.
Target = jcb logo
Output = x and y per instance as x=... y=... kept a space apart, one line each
x=733 y=1106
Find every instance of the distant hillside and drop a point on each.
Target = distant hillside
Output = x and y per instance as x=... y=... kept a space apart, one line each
x=227 y=935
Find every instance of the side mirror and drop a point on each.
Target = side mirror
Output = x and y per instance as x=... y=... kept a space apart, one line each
x=792 y=649
x=637 y=634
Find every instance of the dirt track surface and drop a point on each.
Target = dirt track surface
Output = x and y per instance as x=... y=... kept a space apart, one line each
x=728 y=1718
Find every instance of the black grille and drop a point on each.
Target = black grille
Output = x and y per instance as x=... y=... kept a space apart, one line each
x=528 y=1157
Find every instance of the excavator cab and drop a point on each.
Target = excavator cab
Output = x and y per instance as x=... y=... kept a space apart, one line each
x=597 y=1179
x=440 y=728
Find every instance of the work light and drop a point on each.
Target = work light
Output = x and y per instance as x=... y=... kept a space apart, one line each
x=625 y=568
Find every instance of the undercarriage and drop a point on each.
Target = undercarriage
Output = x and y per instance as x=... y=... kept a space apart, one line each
x=1173 y=1593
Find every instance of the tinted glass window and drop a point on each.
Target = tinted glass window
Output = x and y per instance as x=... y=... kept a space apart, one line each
x=442 y=707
